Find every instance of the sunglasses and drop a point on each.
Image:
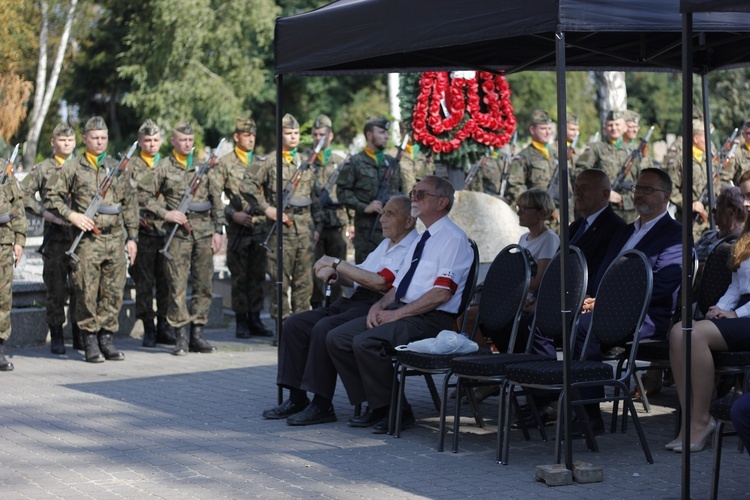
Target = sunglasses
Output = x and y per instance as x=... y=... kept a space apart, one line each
x=419 y=194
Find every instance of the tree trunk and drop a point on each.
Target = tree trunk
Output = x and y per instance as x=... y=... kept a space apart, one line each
x=394 y=104
x=46 y=89
x=611 y=92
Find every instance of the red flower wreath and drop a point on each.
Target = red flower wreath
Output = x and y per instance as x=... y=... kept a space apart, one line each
x=490 y=120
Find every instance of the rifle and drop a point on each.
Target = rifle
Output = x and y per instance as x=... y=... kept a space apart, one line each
x=187 y=198
x=324 y=198
x=473 y=172
x=98 y=198
x=9 y=167
x=506 y=165
x=724 y=151
x=637 y=154
x=715 y=175
x=552 y=187
x=291 y=186
x=385 y=184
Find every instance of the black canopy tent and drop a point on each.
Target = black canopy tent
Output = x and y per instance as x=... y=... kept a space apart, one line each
x=378 y=36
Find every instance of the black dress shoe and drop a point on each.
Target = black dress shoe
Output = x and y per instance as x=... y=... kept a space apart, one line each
x=407 y=420
x=369 y=417
x=311 y=415
x=284 y=410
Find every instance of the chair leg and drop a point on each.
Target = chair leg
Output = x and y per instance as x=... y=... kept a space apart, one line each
x=457 y=415
x=514 y=401
x=615 y=401
x=559 y=427
x=718 y=439
x=509 y=388
x=433 y=390
x=535 y=412
x=444 y=410
x=394 y=401
x=638 y=428
x=399 y=404
x=473 y=405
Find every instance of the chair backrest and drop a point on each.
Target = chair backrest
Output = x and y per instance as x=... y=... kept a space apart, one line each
x=716 y=277
x=548 y=301
x=621 y=302
x=504 y=291
x=471 y=284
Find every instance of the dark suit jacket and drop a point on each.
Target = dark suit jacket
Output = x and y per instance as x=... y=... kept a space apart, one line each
x=662 y=245
x=595 y=241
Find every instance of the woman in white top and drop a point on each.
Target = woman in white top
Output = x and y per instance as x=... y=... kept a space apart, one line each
x=534 y=207
x=726 y=328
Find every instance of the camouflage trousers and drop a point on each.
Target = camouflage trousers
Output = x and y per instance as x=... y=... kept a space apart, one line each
x=191 y=258
x=363 y=244
x=148 y=273
x=99 y=281
x=298 y=253
x=248 y=267
x=7 y=262
x=331 y=242
x=55 y=275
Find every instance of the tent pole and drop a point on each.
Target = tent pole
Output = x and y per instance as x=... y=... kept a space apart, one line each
x=279 y=218
x=708 y=153
x=562 y=179
x=687 y=238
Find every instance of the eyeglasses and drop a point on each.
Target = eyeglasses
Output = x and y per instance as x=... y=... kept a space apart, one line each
x=646 y=189
x=523 y=208
x=419 y=194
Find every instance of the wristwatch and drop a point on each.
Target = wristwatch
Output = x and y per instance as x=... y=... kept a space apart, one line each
x=336 y=263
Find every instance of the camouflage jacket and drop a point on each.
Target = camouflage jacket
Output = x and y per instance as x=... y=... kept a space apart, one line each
x=530 y=169
x=609 y=157
x=171 y=180
x=79 y=180
x=737 y=165
x=39 y=180
x=332 y=214
x=359 y=182
x=149 y=225
x=229 y=174
x=12 y=232
x=674 y=168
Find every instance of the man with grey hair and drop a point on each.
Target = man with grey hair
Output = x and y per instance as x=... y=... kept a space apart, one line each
x=424 y=300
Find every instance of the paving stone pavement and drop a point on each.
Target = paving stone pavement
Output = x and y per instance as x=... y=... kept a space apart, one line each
x=159 y=426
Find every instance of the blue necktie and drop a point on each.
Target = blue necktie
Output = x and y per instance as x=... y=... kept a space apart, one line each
x=582 y=229
x=404 y=285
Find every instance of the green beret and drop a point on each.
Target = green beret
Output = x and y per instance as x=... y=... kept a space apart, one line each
x=632 y=116
x=539 y=117
x=63 y=130
x=322 y=121
x=698 y=126
x=183 y=127
x=149 y=127
x=615 y=115
x=289 y=122
x=378 y=121
x=245 y=125
x=95 y=123
x=571 y=118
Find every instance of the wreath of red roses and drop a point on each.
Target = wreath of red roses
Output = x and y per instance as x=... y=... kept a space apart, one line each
x=490 y=120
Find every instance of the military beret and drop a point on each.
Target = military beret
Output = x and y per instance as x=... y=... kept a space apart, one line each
x=289 y=122
x=63 y=130
x=632 y=116
x=615 y=115
x=322 y=121
x=539 y=117
x=245 y=125
x=571 y=118
x=149 y=127
x=378 y=121
x=183 y=127
x=698 y=126
x=95 y=123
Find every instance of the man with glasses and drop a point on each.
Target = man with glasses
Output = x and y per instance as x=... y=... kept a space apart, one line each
x=424 y=300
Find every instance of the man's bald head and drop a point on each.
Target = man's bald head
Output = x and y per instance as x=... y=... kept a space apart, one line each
x=591 y=191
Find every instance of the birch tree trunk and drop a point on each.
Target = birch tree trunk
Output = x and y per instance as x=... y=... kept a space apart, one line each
x=45 y=89
x=611 y=92
x=394 y=106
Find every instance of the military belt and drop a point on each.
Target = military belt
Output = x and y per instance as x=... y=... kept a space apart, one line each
x=110 y=230
x=6 y=217
x=109 y=209
x=200 y=207
x=300 y=202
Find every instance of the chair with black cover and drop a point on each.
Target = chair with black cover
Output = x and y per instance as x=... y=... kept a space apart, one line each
x=414 y=363
x=621 y=303
x=720 y=410
x=491 y=368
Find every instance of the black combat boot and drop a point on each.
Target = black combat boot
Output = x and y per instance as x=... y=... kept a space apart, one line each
x=257 y=327
x=93 y=354
x=149 y=333
x=164 y=332
x=78 y=343
x=57 y=342
x=241 y=326
x=108 y=348
x=197 y=342
x=181 y=341
x=5 y=365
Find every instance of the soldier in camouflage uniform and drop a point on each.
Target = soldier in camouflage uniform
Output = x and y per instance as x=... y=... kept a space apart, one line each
x=359 y=184
x=246 y=258
x=56 y=239
x=259 y=188
x=99 y=272
x=148 y=271
x=334 y=217
x=12 y=240
x=610 y=154
x=191 y=251
x=487 y=178
x=573 y=130
x=741 y=161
